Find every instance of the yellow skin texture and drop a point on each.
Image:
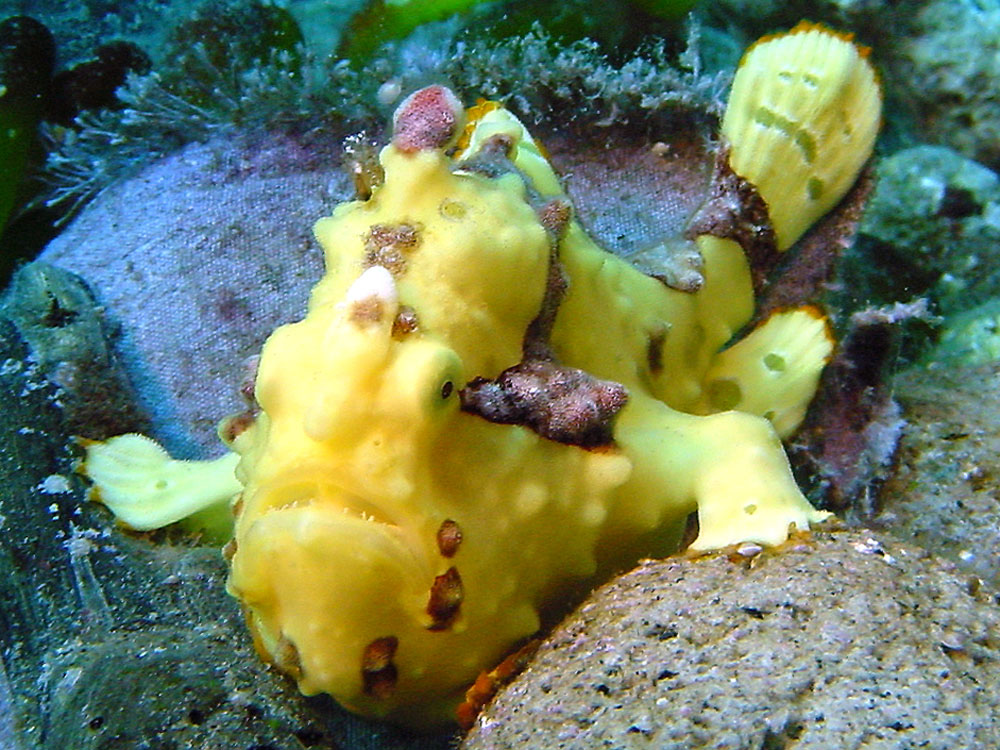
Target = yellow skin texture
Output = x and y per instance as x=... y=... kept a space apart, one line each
x=357 y=459
x=361 y=451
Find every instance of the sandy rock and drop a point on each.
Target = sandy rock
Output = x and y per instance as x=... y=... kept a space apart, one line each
x=944 y=492
x=198 y=259
x=848 y=639
x=55 y=313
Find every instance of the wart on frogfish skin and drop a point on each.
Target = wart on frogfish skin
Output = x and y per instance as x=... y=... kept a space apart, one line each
x=449 y=537
x=563 y=404
x=370 y=296
x=234 y=426
x=378 y=673
x=390 y=245
x=405 y=322
x=654 y=351
x=362 y=165
x=445 y=599
x=555 y=215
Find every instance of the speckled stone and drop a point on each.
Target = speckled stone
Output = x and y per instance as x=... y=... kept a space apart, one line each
x=846 y=640
x=948 y=69
x=944 y=495
x=197 y=259
x=933 y=221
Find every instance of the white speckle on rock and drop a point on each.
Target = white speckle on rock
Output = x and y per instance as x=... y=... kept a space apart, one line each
x=872 y=547
x=78 y=545
x=54 y=484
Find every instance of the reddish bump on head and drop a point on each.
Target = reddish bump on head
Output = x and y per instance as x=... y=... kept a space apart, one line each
x=427 y=119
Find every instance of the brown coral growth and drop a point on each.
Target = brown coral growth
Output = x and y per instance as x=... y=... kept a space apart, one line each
x=560 y=403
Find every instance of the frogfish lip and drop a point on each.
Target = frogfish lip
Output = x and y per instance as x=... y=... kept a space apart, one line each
x=314 y=487
x=320 y=584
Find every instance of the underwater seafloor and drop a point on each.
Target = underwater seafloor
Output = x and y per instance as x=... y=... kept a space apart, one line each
x=163 y=167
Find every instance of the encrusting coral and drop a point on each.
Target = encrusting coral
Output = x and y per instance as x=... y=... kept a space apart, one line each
x=483 y=411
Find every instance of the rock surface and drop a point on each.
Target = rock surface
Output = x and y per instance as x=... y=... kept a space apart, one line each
x=198 y=259
x=944 y=495
x=953 y=91
x=847 y=639
x=931 y=226
x=55 y=313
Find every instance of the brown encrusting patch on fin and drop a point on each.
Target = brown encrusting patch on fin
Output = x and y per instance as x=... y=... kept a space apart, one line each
x=229 y=550
x=449 y=537
x=806 y=276
x=560 y=403
x=735 y=210
x=378 y=673
x=445 y=599
x=555 y=216
x=845 y=447
x=389 y=245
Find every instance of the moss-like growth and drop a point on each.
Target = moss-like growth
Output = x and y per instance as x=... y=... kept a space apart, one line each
x=227 y=39
x=537 y=77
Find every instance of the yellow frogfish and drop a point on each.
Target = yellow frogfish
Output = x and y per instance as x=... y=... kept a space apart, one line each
x=484 y=413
